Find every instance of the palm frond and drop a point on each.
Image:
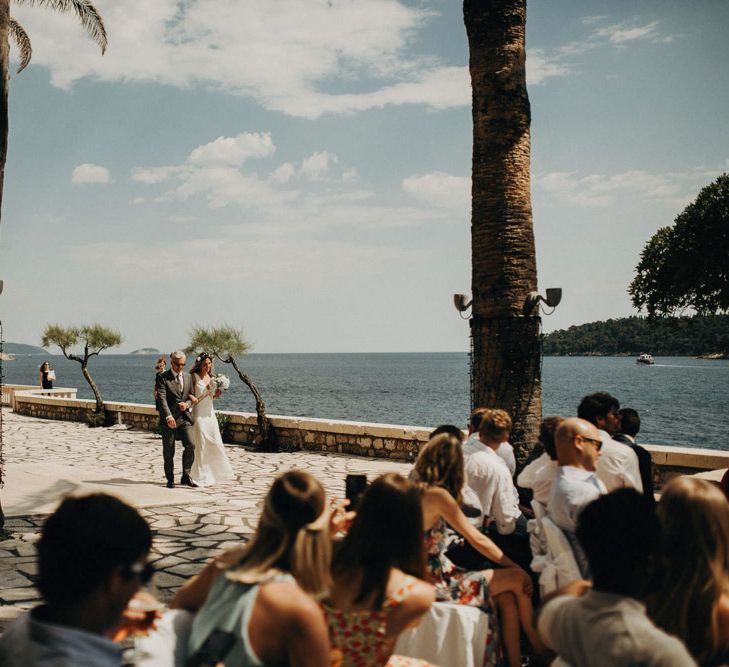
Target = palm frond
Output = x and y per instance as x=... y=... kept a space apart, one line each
x=90 y=18
x=21 y=39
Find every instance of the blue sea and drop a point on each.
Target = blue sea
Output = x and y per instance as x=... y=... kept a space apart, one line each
x=682 y=401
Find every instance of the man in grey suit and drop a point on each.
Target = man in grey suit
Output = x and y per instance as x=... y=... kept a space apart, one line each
x=174 y=400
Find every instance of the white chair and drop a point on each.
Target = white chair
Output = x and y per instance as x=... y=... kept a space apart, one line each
x=560 y=554
x=450 y=635
x=541 y=562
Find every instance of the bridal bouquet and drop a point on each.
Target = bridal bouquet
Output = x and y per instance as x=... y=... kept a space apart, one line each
x=219 y=382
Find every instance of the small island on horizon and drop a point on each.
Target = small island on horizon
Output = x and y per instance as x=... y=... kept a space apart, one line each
x=706 y=337
x=145 y=351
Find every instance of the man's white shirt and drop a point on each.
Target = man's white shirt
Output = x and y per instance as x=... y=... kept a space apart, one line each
x=573 y=489
x=618 y=466
x=488 y=475
x=539 y=476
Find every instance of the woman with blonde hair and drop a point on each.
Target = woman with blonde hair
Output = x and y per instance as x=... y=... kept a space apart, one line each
x=439 y=469
x=693 y=601
x=265 y=593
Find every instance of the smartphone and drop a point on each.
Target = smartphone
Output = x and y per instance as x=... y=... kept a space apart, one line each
x=354 y=487
x=214 y=649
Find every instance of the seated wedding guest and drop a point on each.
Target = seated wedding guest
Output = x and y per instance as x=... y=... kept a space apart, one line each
x=540 y=473
x=693 y=601
x=504 y=449
x=487 y=474
x=471 y=504
x=92 y=558
x=607 y=625
x=629 y=428
x=576 y=484
x=378 y=569
x=618 y=465
x=264 y=594
x=440 y=470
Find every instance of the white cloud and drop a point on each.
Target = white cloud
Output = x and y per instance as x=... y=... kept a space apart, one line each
x=540 y=67
x=232 y=151
x=319 y=194
x=674 y=189
x=316 y=166
x=284 y=54
x=440 y=189
x=621 y=33
x=90 y=173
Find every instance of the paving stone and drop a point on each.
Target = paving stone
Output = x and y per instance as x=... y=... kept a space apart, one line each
x=185 y=535
x=186 y=570
x=13 y=594
x=210 y=529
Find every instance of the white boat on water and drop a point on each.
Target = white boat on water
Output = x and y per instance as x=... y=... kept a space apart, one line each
x=645 y=359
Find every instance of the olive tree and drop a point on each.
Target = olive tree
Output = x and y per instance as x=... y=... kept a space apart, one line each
x=227 y=344
x=92 y=339
x=686 y=267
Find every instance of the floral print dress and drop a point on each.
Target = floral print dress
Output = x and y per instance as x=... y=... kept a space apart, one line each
x=359 y=637
x=454 y=584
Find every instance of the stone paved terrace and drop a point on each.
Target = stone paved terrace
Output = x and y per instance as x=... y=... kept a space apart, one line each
x=46 y=460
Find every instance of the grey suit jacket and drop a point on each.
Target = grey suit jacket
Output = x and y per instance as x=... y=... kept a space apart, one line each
x=169 y=395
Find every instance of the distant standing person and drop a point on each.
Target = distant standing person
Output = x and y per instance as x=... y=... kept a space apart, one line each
x=46 y=376
x=629 y=428
x=174 y=399
x=160 y=368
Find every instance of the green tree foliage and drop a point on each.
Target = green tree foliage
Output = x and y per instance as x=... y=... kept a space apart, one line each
x=92 y=339
x=226 y=344
x=671 y=336
x=686 y=267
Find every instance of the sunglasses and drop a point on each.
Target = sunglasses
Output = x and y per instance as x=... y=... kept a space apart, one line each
x=597 y=443
x=145 y=571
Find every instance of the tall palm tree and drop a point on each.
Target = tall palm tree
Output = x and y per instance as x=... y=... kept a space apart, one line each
x=506 y=337
x=91 y=21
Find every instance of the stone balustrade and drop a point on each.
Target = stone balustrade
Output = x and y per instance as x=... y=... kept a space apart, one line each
x=10 y=390
x=388 y=441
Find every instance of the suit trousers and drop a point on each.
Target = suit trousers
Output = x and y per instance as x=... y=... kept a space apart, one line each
x=183 y=431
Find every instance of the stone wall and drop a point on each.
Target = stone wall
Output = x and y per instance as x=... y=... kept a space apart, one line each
x=400 y=443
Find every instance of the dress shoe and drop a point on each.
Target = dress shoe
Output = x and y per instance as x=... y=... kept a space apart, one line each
x=170 y=485
x=187 y=481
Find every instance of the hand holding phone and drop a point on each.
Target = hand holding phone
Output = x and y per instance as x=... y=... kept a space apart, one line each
x=355 y=486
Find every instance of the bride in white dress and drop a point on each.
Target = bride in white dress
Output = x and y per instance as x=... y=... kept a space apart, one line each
x=211 y=464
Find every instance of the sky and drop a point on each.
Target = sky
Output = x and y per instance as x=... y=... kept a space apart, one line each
x=300 y=169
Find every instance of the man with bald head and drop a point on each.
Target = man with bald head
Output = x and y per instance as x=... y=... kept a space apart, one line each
x=578 y=450
x=576 y=484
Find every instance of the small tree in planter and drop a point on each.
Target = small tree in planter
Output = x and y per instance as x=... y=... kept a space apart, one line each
x=94 y=339
x=225 y=344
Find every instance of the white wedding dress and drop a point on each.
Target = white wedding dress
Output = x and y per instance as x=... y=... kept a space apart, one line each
x=211 y=464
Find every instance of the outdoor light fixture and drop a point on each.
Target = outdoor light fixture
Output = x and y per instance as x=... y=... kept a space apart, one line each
x=462 y=303
x=554 y=296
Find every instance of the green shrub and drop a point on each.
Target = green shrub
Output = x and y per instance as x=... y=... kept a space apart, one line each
x=223 y=425
x=95 y=419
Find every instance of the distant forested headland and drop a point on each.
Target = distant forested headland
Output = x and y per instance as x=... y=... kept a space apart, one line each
x=675 y=336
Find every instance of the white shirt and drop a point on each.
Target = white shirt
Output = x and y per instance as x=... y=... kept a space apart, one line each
x=539 y=476
x=573 y=489
x=606 y=630
x=506 y=451
x=487 y=474
x=618 y=466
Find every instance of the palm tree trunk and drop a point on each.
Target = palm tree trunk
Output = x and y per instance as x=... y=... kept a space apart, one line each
x=4 y=85
x=506 y=343
x=264 y=425
x=94 y=388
